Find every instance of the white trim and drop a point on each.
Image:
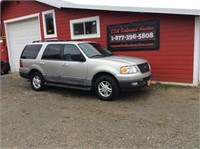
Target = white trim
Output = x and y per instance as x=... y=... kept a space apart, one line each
x=6 y=22
x=44 y=24
x=173 y=83
x=82 y=20
x=39 y=28
x=196 y=67
x=54 y=3
x=21 y=18
x=8 y=45
x=199 y=51
x=130 y=8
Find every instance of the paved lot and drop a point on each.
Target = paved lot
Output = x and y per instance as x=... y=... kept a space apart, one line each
x=155 y=117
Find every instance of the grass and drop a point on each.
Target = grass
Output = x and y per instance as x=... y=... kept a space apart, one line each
x=167 y=86
x=24 y=111
x=163 y=122
x=63 y=107
x=65 y=119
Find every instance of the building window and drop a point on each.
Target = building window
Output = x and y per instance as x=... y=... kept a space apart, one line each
x=85 y=28
x=49 y=24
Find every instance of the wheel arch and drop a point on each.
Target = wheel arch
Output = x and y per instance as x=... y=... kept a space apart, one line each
x=33 y=71
x=99 y=74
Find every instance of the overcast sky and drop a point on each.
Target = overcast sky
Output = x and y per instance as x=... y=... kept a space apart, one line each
x=182 y=4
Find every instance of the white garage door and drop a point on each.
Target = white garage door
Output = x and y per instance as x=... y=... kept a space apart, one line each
x=20 y=33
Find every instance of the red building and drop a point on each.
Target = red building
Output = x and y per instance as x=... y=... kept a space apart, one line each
x=168 y=38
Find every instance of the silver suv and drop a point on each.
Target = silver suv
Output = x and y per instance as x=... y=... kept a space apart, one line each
x=82 y=65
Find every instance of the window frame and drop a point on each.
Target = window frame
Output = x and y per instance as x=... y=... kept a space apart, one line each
x=47 y=48
x=84 y=20
x=70 y=54
x=44 y=24
x=35 y=56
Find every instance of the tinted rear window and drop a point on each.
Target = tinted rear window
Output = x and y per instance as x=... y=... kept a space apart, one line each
x=53 y=52
x=31 y=51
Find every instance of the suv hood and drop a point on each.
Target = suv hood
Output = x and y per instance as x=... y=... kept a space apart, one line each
x=126 y=60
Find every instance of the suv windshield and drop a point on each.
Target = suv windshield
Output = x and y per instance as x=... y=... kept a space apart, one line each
x=94 y=50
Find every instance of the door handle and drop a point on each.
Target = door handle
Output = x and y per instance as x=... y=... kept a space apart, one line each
x=42 y=63
x=65 y=64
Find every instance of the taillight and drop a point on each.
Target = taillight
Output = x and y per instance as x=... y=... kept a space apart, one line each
x=20 y=63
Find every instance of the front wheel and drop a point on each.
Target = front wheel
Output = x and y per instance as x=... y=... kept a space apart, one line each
x=107 y=88
x=37 y=81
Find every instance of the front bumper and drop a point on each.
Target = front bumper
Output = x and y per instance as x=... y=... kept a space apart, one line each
x=132 y=84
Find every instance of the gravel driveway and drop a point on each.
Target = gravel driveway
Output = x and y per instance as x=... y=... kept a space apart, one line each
x=160 y=116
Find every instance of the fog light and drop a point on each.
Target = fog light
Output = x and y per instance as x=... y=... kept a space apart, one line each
x=134 y=83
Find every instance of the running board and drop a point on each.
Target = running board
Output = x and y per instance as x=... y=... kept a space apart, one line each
x=86 y=88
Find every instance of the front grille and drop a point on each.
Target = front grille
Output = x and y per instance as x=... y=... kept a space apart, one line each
x=143 y=67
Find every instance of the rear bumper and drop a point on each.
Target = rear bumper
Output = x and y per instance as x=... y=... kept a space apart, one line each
x=23 y=75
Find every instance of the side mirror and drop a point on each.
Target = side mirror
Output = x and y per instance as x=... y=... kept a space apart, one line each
x=78 y=57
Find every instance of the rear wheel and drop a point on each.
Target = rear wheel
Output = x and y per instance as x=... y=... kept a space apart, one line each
x=106 y=87
x=37 y=81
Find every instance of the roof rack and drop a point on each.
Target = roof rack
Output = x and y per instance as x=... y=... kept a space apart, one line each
x=54 y=40
x=60 y=40
x=36 y=41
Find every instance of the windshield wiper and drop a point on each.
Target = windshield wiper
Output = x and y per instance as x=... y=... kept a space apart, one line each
x=108 y=55
x=98 y=55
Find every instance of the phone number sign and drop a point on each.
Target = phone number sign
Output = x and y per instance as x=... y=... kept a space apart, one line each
x=133 y=36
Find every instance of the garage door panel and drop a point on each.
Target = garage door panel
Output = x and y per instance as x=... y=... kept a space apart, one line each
x=19 y=34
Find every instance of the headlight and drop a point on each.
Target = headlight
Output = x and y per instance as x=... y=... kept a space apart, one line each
x=149 y=66
x=128 y=70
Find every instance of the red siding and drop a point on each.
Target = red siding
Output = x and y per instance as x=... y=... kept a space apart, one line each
x=173 y=62
x=3 y=52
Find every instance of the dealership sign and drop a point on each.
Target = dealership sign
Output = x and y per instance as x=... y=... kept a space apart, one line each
x=133 y=36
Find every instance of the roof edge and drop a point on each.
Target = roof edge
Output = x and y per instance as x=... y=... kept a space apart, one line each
x=51 y=3
x=137 y=9
x=65 y=4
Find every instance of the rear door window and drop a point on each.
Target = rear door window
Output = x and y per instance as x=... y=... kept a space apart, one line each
x=31 y=51
x=52 y=52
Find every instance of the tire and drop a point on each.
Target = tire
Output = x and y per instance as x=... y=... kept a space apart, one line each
x=37 y=81
x=106 y=88
x=5 y=67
